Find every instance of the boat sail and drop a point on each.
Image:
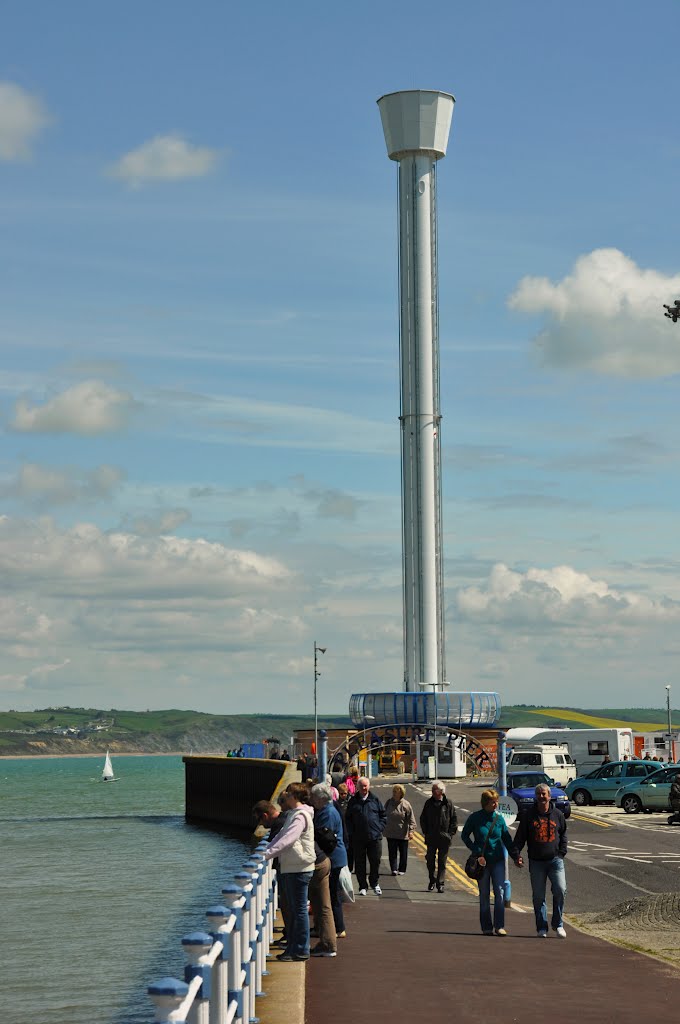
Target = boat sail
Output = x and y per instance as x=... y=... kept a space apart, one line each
x=107 y=773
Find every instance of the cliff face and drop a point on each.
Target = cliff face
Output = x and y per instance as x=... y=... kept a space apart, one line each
x=199 y=741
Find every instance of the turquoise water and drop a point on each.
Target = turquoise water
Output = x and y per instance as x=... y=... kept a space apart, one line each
x=99 y=883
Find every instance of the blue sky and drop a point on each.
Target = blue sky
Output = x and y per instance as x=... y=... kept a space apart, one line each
x=199 y=356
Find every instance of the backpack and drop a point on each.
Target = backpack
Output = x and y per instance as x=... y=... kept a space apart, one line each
x=325 y=839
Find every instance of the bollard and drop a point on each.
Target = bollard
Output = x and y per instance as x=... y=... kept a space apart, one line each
x=503 y=784
x=167 y=995
x=218 y=916
x=197 y=945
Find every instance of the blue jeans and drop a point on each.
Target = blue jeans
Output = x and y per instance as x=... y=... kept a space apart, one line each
x=540 y=871
x=493 y=873
x=296 y=885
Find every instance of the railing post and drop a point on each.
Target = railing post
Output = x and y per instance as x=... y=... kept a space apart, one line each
x=245 y=890
x=222 y=995
x=197 y=945
x=167 y=995
x=248 y=879
x=271 y=893
x=238 y=975
x=257 y=865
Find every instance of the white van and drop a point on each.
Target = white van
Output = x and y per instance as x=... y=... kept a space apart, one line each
x=552 y=758
x=587 y=746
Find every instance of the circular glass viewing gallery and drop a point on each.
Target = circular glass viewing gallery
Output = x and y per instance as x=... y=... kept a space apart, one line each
x=460 y=710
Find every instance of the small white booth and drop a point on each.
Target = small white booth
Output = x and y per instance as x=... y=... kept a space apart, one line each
x=437 y=759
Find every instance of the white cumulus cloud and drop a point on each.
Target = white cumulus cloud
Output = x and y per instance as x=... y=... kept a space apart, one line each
x=164 y=158
x=22 y=117
x=88 y=408
x=606 y=315
x=559 y=596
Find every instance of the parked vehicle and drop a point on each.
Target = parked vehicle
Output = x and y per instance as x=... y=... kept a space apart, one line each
x=522 y=786
x=552 y=758
x=586 y=746
x=602 y=785
x=649 y=794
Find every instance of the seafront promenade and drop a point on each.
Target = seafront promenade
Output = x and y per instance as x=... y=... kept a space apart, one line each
x=421 y=955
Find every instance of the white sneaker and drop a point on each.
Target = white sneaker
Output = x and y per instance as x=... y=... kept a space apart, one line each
x=378 y=891
x=561 y=932
x=363 y=892
x=542 y=935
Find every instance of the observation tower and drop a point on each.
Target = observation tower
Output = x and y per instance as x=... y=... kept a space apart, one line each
x=416 y=126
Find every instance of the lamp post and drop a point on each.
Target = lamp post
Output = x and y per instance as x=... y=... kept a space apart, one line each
x=670 y=727
x=317 y=650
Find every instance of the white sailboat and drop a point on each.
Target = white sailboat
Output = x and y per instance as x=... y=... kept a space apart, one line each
x=107 y=772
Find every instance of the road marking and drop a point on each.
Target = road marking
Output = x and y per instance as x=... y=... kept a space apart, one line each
x=591 y=821
x=625 y=881
x=457 y=872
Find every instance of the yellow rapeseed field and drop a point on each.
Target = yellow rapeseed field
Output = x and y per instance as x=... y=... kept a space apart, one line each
x=565 y=715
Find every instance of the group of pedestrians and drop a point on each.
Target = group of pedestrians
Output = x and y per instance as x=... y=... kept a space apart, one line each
x=319 y=831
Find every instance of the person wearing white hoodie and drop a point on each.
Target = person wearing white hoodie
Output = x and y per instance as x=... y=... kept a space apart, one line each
x=294 y=846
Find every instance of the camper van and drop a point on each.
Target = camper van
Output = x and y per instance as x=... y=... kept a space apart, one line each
x=552 y=758
x=587 y=747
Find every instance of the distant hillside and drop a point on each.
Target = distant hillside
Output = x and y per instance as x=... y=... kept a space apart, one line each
x=90 y=731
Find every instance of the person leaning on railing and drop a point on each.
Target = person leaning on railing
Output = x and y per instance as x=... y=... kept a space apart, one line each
x=294 y=846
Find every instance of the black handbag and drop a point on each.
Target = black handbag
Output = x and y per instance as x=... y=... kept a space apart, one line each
x=473 y=869
x=326 y=839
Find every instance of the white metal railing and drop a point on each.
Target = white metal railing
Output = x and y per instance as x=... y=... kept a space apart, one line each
x=226 y=965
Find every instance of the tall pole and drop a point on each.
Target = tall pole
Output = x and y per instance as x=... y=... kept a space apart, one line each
x=317 y=650
x=670 y=727
x=416 y=124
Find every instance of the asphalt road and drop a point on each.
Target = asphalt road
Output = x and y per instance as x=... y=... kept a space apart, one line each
x=613 y=856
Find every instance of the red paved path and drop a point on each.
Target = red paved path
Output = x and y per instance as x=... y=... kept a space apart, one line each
x=411 y=957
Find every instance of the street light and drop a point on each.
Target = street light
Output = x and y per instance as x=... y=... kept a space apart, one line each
x=317 y=650
x=670 y=727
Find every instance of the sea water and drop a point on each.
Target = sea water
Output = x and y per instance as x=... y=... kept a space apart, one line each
x=98 y=884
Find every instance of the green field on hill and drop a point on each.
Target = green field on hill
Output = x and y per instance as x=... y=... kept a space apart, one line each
x=637 y=719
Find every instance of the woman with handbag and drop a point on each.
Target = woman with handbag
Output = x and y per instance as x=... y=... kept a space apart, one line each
x=485 y=834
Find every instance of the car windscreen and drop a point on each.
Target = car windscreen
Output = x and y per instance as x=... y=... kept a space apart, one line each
x=529 y=781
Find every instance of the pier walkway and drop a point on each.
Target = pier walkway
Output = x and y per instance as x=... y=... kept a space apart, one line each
x=420 y=956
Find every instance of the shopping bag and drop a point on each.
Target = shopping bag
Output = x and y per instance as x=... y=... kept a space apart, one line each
x=345 y=886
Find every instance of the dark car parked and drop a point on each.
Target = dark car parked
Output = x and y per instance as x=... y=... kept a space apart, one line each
x=522 y=786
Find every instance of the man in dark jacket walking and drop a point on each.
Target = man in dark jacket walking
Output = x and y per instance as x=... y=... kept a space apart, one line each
x=439 y=824
x=544 y=830
x=365 y=819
